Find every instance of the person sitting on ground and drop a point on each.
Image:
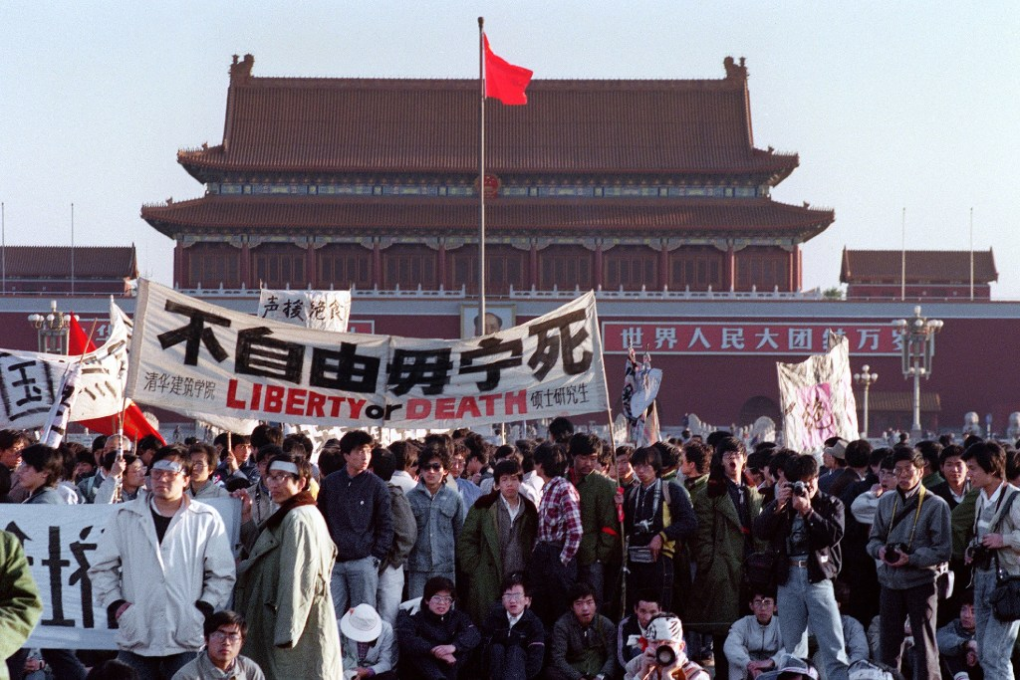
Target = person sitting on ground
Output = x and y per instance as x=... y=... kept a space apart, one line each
x=437 y=640
x=957 y=644
x=221 y=658
x=367 y=645
x=754 y=643
x=792 y=668
x=665 y=654
x=631 y=631
x=582 y=640
x=514 y=637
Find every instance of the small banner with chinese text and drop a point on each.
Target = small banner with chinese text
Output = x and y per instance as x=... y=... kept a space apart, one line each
x=190 y=355
x=324 y=310
x=817 y=398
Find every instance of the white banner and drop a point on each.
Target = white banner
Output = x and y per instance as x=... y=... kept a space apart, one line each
x=30 y=382
x=324 y=310
x=818 y=398
x=59 y=541
x=190 y=355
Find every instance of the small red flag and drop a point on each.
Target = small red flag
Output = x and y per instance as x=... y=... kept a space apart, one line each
x=503 y=80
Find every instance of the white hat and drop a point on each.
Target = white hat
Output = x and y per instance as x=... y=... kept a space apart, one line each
x=361 y=624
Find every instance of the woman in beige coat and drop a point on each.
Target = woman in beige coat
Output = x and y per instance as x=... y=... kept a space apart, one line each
x=283 y=583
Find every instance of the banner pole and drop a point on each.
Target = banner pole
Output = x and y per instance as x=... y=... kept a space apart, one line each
x=480 y=326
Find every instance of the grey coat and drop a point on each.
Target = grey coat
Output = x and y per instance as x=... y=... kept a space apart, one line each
x=931 y=545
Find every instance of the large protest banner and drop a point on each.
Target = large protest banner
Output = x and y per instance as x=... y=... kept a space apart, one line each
x=324 y=310
x=30 y=381
x=59 y=541
x=190 y=355
x=817 y=398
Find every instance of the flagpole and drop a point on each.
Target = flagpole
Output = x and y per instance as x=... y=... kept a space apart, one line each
x=480 y=326
x=3 y=244
x=903 y=257
x=72 y=249
x=972 y=254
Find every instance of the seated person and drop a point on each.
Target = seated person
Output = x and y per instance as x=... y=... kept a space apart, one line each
x=665 y=653
x=224 y=635
x=957 y=646
x=632 y=628
x=791 y=668
x=582 y=640
x=436 y=641
x=754 y=643
x=514 y=635
x=907 y=650
x=367 y=645
x=855 y=640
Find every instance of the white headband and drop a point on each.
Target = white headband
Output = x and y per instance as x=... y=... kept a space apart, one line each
x=167 y=465
x=284 y=466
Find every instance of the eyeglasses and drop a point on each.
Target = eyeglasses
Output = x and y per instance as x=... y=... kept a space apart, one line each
x=513 y=597
x=732 y=455
x=164 y=474
x=442 y=599
x=434 y=467
x=763 y=602
x=199 y=466
x=220 y=636
x=904 y=471
x=279 y=477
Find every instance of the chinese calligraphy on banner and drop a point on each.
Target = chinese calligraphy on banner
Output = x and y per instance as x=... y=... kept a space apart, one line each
x=191 y=355
x=324 y=310
x=750 y=337
x=30 y=381
x=817 y=399
x=59 y=541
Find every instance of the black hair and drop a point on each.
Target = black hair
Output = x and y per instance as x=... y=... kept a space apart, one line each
x=383 y=463
x=431 y=453
x=648 y=455
x=552 y=457
x=949 y=452
x=331 y=460
x=584 y=444
x=210 y=454
x=698 y=455
x=930 y=450
x=907 y=453
x=858 y=453
x=9 y=437
x=224 y=617
x=507 y=467
x=580 y=590
x=989 y=456
x=45 y=459
x=517 y=578
x=354 y=439
x=560 y=430
x=302 y=464
x=174 y=451
x=265 y=434
x=438 y=584
x=800 y=467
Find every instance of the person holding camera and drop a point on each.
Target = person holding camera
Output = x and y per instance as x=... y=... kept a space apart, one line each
x=665 y=654
x=911 y=540
x=804 y=527
x=996 y=545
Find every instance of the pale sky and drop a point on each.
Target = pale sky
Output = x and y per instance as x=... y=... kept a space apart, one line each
x=890 y=105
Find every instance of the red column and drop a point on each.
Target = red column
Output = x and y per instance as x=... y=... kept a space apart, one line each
x=731 y=269
x=791 y=274
x=441 y=256
x=377 y=277
x=533 y=267
x=311 y=277
x=179 y=266
x=245 y=264
x=599 y=281
x=800 y=269
x=663 y=268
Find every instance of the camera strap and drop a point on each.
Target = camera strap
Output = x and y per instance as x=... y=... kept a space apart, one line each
x=997 y=515
x=917 y=514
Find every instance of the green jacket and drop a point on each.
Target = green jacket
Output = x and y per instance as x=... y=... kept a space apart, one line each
x=283 y=591
x=962 y=522
x=601 y=538
x=478 y=551
x=718 y=551
x=20 y=605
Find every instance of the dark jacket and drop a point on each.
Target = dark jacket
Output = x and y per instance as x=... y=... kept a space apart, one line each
x=682 y=524
x=528 y=634
x=359 y=515
x=417 y=634
x=825 y=529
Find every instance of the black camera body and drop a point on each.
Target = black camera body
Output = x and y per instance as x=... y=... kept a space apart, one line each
x=980 y=555
x=665 y=656
x=893 y=551
x=798 y=488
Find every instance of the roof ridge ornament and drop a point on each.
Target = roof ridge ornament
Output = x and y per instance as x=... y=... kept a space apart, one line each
x=240 y=71
x=735 y=71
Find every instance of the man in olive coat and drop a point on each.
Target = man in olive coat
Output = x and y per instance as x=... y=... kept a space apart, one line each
x=497 y=538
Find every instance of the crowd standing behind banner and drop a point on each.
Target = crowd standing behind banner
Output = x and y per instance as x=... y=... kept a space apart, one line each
x=393 y=562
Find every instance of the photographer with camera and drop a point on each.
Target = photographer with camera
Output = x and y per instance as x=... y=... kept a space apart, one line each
x=911 y=540
x=995 y=545
x=804 y=527
x=665 y=654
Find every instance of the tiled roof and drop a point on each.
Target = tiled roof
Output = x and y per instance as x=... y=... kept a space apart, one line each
x=568 y=126
x=936 y=266
x=902 y=402
x=54 y=262
x=728 y=217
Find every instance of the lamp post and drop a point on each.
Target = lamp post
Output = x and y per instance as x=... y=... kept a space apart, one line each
x=917 y=336
x=52 y=329
x=867 y=379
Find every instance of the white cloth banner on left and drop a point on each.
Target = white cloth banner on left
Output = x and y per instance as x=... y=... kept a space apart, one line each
x=59 y=541
x=818 y=399
x=30 y=382
x=324 y=310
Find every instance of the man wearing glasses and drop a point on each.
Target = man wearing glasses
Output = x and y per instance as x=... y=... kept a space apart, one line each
x=911 y=539
x=224 y=635
x=162 y=566
x=439 y=513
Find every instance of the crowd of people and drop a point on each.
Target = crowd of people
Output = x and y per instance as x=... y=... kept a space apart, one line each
x=563 y=558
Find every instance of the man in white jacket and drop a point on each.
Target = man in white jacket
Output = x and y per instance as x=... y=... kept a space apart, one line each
x=162 y=565
x=754 y=643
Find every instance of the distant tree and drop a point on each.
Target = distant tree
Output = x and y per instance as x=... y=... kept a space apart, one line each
x=834 y=293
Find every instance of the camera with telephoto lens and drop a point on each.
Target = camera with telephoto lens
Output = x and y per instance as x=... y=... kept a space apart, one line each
x=798 y=488
x=665 y=656
x=893 y=551
x=980 y=555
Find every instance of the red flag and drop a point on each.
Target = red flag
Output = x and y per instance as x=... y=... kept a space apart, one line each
x=135 y=424
x=503 y=80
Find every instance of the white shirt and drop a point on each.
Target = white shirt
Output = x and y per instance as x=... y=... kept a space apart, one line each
x=513 y=619
x=512 y=510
